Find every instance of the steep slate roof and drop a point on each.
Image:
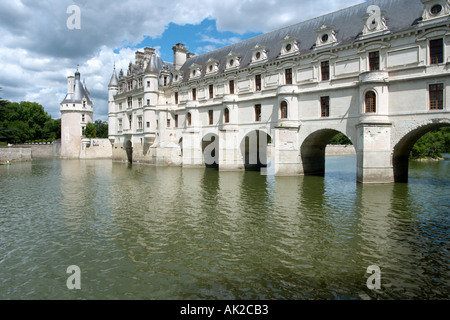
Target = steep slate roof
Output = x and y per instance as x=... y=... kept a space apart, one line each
x=79 y=92
x=400 y=15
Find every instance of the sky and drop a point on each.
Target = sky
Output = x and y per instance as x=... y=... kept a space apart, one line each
x=38 y=50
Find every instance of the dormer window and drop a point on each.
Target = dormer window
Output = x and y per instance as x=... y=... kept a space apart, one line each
x=259 y=54
x=289 y=45
x=435 y=10
x=233 y=60
x=326 y=36
x=195 y=70
x=212 y=66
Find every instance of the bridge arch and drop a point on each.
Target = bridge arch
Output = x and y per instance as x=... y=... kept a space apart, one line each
x=210 y=150
x=403 y=147
x=256 y=150
x=312 y=151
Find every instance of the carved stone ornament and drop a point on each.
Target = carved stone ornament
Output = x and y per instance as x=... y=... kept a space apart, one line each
x=375 y=22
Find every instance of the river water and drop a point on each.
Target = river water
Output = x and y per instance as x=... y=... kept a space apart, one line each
x=143 y=232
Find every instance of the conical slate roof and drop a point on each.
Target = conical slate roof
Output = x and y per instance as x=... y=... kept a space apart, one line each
x=114 y=80
x=79 y=92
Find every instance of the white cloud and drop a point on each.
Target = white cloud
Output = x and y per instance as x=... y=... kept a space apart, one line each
x=38 y=52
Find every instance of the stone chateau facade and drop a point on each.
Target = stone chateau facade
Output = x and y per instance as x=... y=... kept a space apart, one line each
x=377 y=72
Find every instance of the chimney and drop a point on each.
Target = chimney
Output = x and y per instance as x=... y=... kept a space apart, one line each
x=179 y=55
x=139 y=57
x=70 y=84
x=190 y=55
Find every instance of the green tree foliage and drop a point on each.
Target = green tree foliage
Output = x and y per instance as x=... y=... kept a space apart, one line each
x=340 y=139
x=26 y=121
x=102 y=129
x=432 y=145
x=90 y=131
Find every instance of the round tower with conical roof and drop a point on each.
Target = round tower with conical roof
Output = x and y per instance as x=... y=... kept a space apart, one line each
x=77 y=110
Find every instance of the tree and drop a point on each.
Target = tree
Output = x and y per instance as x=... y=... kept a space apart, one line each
x=26 y=121
x=340 y=139
x=102 y=129
x=90 y=131
x=432 y=145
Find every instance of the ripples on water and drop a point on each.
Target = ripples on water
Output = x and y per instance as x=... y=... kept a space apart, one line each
x=141 y=232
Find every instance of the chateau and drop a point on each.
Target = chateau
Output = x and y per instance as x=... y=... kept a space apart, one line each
x=377 y=72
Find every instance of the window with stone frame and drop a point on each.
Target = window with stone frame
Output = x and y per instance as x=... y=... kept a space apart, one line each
x=231 y=85
x=258 y=113
x=436 y=96
x=374 y=61
x=436 y=51
x=325 y=107
x=325 y=70
x=226 y=115
x=189 y=119
x=211 y=91
x=371 y=102
x=210 y=117
x=284 y=110
x=258 y=82
x=288 y=76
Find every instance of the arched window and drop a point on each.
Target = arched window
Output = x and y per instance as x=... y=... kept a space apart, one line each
x=371 y=102
x=284 y=110
x=226 y=115
x=188 y=118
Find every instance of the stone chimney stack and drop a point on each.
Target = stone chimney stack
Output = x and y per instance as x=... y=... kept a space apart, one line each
x=179 y=55
x=70 y=84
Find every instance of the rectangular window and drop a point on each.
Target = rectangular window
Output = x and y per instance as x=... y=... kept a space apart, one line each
x=140 y=83
x=130 y=122
x=231 y=84
x=148 y=124
x=130 y=102
x=257 y=112
x=211 y=91
x=176 y=121
x=436 y=96
x=194 y=94
x=211 y=117
x=140 y=102
x=83 y=118
x=374 y=61
x=324 y=107
x=325 y=70
x=120 y=125
x=165 y=81
x=140 y=123
x=168 y=123
x=258 y=82
x=288 y=76
x=436 y=51
x=176 y=97
x=148 y=84
x=120 y=106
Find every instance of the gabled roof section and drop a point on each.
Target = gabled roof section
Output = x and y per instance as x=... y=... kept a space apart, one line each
x=348 y=23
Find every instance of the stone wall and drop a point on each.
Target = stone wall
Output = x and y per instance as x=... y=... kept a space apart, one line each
x=340 y=150
x=96 y=149
x=15 y=154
